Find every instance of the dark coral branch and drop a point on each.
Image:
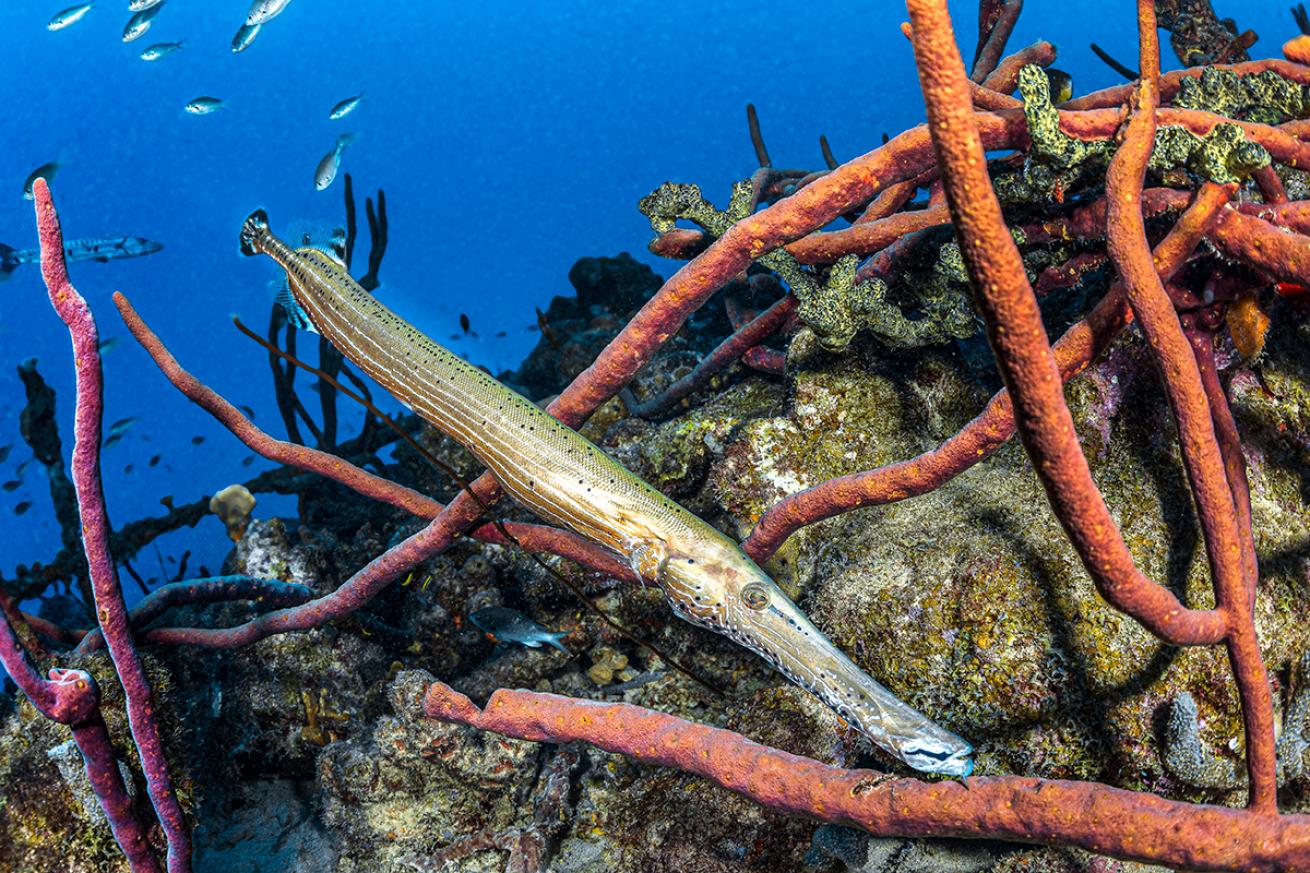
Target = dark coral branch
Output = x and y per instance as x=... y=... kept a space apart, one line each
x=1095 y=817
x=731 y=349
x=221 y=589
x=41 y=433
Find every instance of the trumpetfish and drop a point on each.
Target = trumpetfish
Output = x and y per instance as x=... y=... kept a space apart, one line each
x=561 y=476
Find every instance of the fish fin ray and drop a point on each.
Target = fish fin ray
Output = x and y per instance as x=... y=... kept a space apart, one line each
x=296 y=315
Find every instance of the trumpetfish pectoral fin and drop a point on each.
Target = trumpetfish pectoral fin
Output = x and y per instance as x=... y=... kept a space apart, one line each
x=648 y=559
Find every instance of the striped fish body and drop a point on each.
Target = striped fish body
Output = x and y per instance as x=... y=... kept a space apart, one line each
x=563 y=477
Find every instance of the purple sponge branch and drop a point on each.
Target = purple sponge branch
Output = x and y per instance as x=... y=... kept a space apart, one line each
x=111 y=611
x=219 y=589
x=71 y=697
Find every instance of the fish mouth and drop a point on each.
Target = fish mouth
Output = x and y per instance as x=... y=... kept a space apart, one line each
x=782 y=635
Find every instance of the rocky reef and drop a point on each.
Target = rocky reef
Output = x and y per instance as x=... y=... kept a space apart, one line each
x=309 y=751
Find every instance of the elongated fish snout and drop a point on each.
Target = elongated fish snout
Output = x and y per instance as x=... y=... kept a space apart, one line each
x=778 y=631
x=255 y=226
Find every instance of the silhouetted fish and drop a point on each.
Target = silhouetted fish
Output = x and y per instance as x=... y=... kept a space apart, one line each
x=154 y=459
x=503 y=624
x=464 y=322
x=22 y=507
x=197 y=440
x=247 y=411
x=12 y=485
x=247 y=460
x=4 y=452
x=45 y=171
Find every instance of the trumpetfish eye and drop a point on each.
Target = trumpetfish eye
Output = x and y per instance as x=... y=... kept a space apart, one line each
x=755 y=596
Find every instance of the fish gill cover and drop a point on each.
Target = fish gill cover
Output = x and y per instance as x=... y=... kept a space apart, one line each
x=500 y=151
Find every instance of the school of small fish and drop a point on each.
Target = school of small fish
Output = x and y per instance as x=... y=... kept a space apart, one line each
x=258 y=15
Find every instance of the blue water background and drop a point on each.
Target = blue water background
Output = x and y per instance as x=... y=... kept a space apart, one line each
x=512 y=139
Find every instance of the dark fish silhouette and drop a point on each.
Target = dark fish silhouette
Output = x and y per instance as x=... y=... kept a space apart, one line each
x=248 y=460
x=45 y=171
x=155 y=460
x=22 y=507
x=12 y=485
x=247 y=411
x=128 y=469
x=99 y=249
x=505 y=625
x=464 y=324
x=4 y=452
x=197 y=440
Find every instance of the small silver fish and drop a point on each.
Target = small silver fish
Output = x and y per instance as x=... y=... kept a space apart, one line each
x=264 y=11
x=142 y=5
x=204 y=105
x=345 y=107
x=327 y=168
x=139 y=23
x=245 y=36
x=160 y=50
x=45 y=171
x=136 y=27
x=507 y=625
x=108 y=345
x=69 y=16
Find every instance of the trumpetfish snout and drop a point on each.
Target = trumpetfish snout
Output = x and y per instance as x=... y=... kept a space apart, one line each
x=561 y=476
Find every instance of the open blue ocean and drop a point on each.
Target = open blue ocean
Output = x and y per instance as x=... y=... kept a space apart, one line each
x=511 y=138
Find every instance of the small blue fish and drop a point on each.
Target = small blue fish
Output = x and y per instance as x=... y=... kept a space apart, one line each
x=507 y=625
x=160 y=50
x=327 y=168
x=139 y=23
x=69 y=16
x=245 y=36
x=345 y=107
x=203 y=105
